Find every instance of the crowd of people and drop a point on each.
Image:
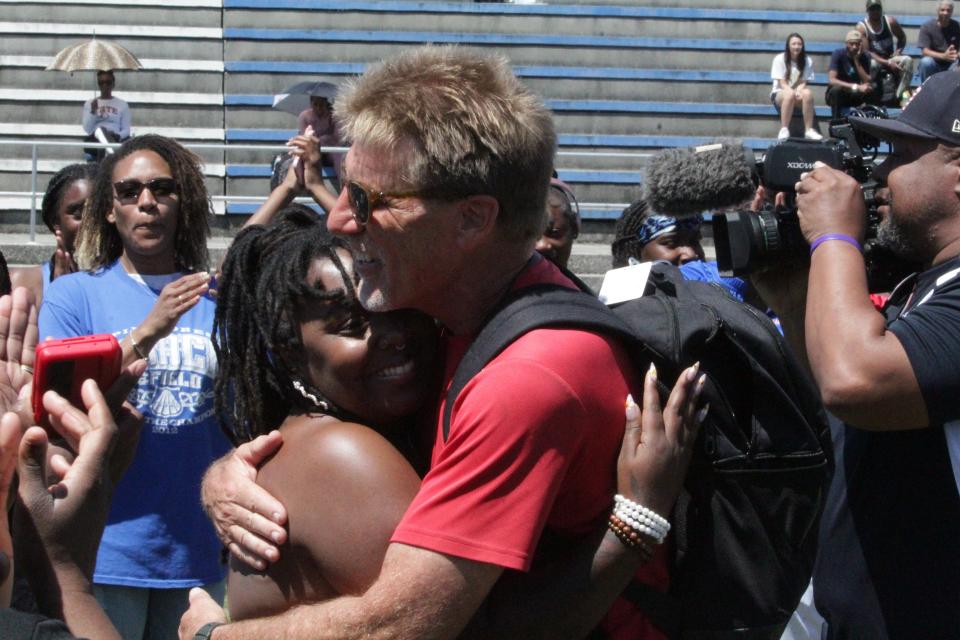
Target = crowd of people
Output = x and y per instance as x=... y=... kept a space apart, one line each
x=281 y=440
x=870 y=68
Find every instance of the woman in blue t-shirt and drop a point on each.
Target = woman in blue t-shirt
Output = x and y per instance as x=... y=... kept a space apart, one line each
x=142 y=244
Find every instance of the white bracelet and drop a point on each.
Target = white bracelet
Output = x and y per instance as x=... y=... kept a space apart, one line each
x=642 y=526
x=627 y=504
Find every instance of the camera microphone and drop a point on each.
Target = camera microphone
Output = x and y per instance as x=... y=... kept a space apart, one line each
x=685 y=182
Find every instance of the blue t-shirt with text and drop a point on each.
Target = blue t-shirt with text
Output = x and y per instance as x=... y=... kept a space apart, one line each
x=157 y=534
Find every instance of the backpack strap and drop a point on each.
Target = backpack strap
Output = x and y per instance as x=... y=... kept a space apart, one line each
x=538 y=306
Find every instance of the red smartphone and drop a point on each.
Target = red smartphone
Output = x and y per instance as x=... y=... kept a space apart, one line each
x=63 y=365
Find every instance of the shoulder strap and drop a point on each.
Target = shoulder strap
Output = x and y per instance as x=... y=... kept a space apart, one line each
x=535 y=307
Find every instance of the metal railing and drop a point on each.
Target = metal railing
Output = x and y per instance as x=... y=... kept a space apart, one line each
x=35 y=145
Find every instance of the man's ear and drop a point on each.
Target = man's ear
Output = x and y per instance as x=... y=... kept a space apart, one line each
x=477 y=218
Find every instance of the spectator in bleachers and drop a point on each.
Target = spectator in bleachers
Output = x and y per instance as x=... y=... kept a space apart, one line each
x=108 y=113
x=939 y=40
x=319 y=117
x=644 y=236
x=880 y=30
x=144 y=241
x=790 y=88
x=62 y=210
x=563 y=223
x=849 y=79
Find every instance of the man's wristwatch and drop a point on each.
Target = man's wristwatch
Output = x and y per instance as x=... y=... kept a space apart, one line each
x=206 y=631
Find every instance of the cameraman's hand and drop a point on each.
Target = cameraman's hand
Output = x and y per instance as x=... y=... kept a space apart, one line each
x=830 y=201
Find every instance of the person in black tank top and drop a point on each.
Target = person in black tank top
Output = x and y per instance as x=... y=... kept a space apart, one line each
x=880 y=30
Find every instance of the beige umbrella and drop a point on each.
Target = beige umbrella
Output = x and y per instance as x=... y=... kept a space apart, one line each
x=94 y=55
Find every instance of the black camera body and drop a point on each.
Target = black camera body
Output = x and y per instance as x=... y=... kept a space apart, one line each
x=748 y=241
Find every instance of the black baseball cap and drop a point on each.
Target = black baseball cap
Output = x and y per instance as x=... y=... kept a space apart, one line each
x=933 y=113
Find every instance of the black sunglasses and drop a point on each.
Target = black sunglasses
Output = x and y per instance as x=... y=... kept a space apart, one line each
x=364 y=200
x=130 y=190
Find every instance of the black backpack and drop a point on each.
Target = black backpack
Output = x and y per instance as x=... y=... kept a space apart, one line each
x=745 y=525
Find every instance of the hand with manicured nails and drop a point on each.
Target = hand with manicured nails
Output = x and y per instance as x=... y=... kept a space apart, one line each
x=658 y=443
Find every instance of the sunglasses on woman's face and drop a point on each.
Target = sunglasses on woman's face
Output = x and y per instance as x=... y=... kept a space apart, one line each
x=364 y=200
x=130 y=190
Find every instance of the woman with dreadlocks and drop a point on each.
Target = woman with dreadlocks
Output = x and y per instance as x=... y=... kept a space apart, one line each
x=297 y=352
x=61 y=211
x=143 y=245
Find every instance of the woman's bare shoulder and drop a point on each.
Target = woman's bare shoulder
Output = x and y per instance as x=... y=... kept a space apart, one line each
x=345 y=488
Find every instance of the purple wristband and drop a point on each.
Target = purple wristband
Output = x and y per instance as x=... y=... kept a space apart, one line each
x=835 y=236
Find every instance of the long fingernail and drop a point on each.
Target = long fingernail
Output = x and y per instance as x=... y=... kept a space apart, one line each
x=702 y=381
x=692 y=371
x=632 y=410
x=652 y=371
x=702 y=414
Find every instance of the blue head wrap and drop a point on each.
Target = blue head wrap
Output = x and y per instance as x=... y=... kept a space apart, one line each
x=657 y=225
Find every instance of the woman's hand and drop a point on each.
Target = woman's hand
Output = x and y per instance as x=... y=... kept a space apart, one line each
x=63 y=262
x=305 y=146
x=175 y=299
x=18 y=342
x=657 y=445
x=248 y=520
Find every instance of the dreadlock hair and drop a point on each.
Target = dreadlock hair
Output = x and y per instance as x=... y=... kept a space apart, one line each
x=59 y=184
x=98 y=242
x=625 y=244
x=261 y=288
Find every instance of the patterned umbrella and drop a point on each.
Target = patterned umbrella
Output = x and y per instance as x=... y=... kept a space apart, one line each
x=94 y=55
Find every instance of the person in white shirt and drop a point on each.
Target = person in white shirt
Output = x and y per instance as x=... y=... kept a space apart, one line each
x=109 y=114
x=790 y=86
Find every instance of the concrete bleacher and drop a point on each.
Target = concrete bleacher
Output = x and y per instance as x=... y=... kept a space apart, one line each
x=624 y=78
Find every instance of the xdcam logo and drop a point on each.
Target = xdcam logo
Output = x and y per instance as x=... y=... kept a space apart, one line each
x=797 y=164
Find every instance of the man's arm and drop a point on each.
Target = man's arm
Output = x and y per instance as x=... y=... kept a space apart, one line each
x=419 y=594
x=899 y=34
x=279 y=198
x=861 y=368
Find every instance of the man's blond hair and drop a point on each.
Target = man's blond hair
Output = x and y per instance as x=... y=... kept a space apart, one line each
x=472 y=126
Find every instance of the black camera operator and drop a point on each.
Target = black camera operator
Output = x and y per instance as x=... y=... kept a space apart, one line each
x=889 y=560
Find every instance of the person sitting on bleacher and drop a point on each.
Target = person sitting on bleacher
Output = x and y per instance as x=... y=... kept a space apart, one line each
x=939 y=39
x=880 y=30
x=319 y=118
x=790 y=72
x=849 y=79
x=109 y=114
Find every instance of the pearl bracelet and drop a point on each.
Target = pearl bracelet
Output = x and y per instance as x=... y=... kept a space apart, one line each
x=642 y=518
x=657 y=535
x=638 y=512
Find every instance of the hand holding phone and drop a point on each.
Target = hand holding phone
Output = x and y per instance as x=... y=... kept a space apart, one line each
x=63 y=365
